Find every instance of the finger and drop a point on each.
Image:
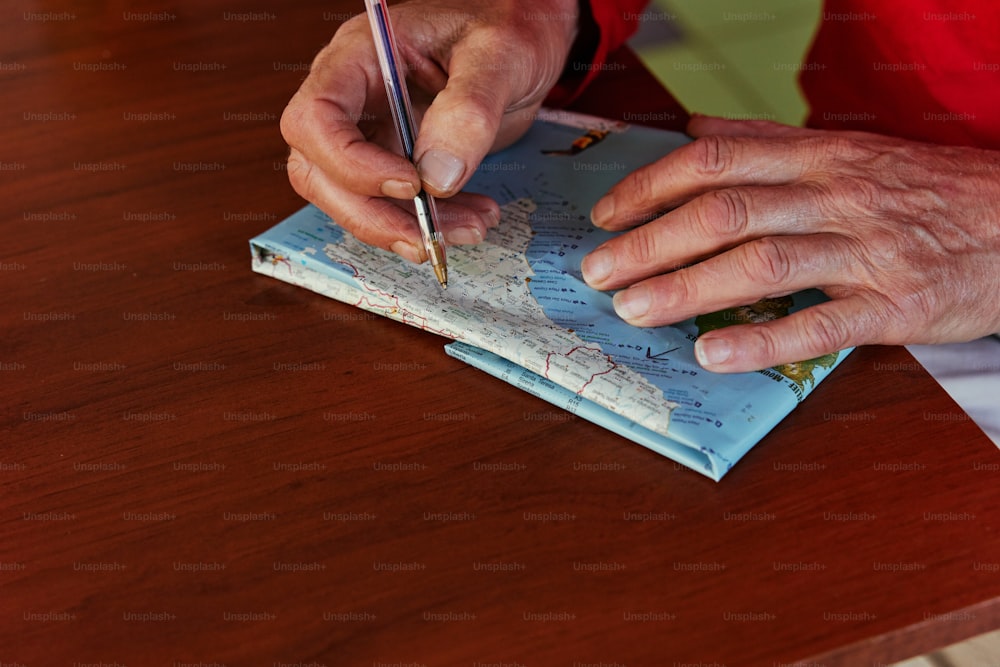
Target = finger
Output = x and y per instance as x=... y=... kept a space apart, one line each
x=385 y=223
x=809 y=333
x=375 y=221
x=768 y=267
x=706 y=164
x=702 y=227
x=463 y=122
x=466 y=218
x=322 y=118
x=700 y=126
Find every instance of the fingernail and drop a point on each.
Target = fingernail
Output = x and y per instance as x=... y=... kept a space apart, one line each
x=632 y=303
x=603 y=210
x=440 y=170
x=712 y=351
x=464 y=236
x=398 y=189
x=407 y=251
x=492 y=219
x=597 y=266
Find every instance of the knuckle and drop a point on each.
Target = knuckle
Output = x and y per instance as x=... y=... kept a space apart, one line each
x=848 y=197
x=767 y=260
x=923 y=307
x=883 y=247
x=824 y=330
x=643 y=185
x=821 y=198
x=865 y=194
x=917 y=309
x=723 y=213
x=844 y=149
x=483 y=117
x=641 y=247
x=683 y=290
x=713 y=155
x=469 y=104
x=767 y=346
x=479 y=127
x=639 y=190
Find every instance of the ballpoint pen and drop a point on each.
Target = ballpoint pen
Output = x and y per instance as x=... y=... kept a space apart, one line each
x=402 y=118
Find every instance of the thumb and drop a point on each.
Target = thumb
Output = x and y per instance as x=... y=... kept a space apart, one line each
x=461 y=124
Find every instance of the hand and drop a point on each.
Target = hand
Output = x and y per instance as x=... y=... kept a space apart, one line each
x=486 y=64
x=904 y=238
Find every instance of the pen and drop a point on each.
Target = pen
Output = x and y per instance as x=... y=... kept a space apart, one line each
x=402 y=118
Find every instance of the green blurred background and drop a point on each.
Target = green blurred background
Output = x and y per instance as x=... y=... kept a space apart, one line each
x=731 y=57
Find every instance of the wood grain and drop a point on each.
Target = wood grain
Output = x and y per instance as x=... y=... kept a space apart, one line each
x=203 y=465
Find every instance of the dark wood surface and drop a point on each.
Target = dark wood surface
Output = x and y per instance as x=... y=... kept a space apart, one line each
x=203 y=465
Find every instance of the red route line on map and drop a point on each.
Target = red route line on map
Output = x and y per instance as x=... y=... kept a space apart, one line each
x=593 y=377
x=386 y=295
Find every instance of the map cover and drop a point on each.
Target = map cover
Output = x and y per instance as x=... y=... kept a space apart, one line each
x=518 y=308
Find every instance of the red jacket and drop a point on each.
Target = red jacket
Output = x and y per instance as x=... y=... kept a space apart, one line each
x=605 y=25
x=920 y=69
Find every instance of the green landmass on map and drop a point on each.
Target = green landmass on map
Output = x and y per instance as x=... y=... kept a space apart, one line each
x=765 y=310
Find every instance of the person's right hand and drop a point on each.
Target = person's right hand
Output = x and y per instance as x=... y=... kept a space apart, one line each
x=477 y=71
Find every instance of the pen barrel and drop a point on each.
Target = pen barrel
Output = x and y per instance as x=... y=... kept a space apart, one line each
x=426 y=211
x=393 y=75
x=406 y=130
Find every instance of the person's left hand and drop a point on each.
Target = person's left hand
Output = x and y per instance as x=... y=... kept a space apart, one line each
x=904 y=237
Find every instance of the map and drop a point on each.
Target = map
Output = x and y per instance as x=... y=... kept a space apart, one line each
x=518 y=308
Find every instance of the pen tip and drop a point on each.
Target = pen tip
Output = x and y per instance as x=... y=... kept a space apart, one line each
x=442 y=275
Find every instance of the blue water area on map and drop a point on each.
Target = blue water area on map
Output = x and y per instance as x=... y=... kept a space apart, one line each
x=307 y=232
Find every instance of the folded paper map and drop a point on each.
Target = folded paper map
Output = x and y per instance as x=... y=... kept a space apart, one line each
x=518 y=308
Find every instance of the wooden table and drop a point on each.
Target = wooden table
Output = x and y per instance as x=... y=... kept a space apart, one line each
x=200 y=465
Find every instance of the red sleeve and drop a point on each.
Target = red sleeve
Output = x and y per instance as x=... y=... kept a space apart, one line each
x=924 y=69
x=605 y=25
